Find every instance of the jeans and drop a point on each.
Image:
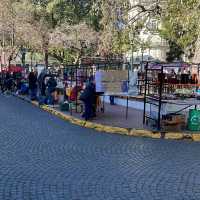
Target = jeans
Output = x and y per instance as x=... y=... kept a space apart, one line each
x=88 y=110
x=50 y=99
x=33 y=93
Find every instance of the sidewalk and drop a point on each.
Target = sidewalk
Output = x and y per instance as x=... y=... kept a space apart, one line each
x=113 y=120
x=115 y=115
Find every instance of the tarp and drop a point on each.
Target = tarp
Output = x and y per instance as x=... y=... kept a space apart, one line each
x=13 y=68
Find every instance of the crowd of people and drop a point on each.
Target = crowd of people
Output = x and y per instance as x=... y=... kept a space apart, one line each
x=29 y=84
x=42 y=88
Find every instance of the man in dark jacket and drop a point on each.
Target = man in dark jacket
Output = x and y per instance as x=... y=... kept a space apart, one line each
x=33 y=85
x=88 y=98
x=8 y=82
x=41 y=82
x=51 y=87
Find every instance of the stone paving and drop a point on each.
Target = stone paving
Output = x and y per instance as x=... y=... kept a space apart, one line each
x=45 y=158
x=115 y=115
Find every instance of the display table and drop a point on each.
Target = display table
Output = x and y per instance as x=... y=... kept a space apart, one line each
x=175 y=106
x=189 y=102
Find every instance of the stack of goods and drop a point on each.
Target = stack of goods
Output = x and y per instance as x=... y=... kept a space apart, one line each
x=184 y=93
x=169 y=97
x=173 y=119
x=174 y=122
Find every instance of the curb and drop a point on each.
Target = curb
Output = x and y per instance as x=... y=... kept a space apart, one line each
x=116 y=130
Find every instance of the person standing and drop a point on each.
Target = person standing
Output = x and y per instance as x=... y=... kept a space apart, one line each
x=51 y=88
x=88 y=97
x=32 y=78
x=41 y=82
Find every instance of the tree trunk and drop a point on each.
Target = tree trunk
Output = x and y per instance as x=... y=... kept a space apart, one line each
x=45 y=41
x=78 y=57
x=9 y=62
x=31 y=59
x=46 y=58
x=196 y=58
x=23 y=59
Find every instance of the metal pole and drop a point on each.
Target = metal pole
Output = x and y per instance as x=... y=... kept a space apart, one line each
x=160 y=99
x=76 y=89
x=145 y=93
x=142 y=56
x=132 y=56
x=127 y=98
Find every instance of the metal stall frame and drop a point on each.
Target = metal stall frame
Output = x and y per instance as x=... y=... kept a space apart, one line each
x=159 y=100
x=73 y=68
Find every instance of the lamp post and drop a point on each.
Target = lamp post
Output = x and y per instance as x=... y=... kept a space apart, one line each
x=132 y=56
x=132 y=47
x=142 y=52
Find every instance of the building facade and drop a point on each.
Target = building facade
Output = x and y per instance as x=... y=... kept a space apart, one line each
x=151 y=45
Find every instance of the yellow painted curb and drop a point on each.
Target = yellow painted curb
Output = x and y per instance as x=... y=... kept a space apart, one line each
x=144 y=133
x=187 y=136
x=63 y=116
x=174 y=136
x=107 y=129
x=122 y=131
x=118 y=130
x=77 y=121
x=35 y=103
x=92 y=125
x=196 y=137
x=110 y=129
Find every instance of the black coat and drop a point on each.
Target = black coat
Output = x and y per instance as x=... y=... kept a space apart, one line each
x=88 y=94
x=51 y=84
x=32 y=81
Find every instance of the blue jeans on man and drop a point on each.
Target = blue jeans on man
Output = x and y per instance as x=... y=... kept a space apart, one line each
x=50 y=98
x=33 y=93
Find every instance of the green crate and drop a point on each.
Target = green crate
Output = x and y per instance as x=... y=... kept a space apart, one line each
x=64 y=107
x=194 y=120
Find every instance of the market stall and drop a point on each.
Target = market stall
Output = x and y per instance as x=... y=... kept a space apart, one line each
x=111 y=79
x=171 y=91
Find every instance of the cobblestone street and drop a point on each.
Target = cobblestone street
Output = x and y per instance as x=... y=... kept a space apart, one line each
x=45 y=158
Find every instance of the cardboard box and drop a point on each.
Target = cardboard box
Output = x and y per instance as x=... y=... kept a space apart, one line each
x=173 y=119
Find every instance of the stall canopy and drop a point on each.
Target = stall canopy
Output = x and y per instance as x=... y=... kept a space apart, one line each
x=169 y=65
x=13 y=69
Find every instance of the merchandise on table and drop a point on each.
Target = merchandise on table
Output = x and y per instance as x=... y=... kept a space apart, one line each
x=173 y=119
x=185 y=92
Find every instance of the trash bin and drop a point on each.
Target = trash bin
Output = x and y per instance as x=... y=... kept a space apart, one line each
x=194 y=120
